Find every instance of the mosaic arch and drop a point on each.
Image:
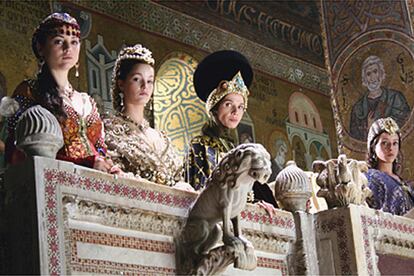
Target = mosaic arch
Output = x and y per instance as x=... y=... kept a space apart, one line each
x=303 y=111
x=305 y=124
x=177 y=109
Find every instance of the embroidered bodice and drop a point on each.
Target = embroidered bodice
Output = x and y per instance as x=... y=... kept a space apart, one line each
x=82 y=130
x=139 y=149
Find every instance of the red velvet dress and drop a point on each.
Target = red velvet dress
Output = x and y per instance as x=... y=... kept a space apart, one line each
x=83 y=135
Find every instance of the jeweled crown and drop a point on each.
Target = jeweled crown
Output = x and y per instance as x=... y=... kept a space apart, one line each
x=383 y=124
x=234 y=86
x=137 y=52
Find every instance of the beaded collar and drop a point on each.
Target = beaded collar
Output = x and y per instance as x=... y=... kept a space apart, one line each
x=144 y=125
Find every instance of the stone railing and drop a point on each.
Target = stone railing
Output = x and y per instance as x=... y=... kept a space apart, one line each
x=85 y=221
x=66 y=219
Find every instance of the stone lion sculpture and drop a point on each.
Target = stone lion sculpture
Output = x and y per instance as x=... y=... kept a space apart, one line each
x=342 y=181
x=222 y=201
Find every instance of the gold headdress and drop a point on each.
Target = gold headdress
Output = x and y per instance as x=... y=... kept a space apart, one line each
x=382 y=125
x=234 y=86
x=136 y=52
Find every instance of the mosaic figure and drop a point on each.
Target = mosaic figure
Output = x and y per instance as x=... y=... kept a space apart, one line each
x=378 y=102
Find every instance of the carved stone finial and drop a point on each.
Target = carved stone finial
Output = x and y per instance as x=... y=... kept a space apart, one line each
x=222 y=201
x=38 y=132
x=342 y=181
x=292 y=188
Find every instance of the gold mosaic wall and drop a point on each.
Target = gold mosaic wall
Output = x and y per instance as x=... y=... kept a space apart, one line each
x=353 y=33
x=169 y=35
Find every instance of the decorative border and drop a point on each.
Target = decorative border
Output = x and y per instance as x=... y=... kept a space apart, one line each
x=282 y=222
x=337 y=225
x=103 y=267
x=56 y=177
x=168 y=23
x=273 y=264
x=114 y=240
x=110 y=267
x=367 y=222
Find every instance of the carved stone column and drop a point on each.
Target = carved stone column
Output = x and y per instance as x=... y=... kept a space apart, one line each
x=293 y=190
x=38 y=132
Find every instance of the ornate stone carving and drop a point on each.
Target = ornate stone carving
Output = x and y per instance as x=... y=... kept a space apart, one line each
x=121 y=217
x=292 y=188
x=267 y=242
x=397 y=243
x=342 y=181
x=38 y=132
x=223 y=200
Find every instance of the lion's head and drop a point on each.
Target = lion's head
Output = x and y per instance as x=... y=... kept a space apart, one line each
x=251 y=158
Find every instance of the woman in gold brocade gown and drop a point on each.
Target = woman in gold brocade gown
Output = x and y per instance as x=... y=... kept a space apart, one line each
x=133 y=145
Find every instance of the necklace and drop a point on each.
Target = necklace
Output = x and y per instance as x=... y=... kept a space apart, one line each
x=141 y=126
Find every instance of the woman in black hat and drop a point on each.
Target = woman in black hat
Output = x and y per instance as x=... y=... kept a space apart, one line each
x=221 y=80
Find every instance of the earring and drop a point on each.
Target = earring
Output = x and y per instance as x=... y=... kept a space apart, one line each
x=375 y=157
x=121 y=96
x=77 y=69
x=149 y=104
x=40 y=64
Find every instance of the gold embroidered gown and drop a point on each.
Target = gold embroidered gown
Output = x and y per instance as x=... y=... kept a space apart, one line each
x=141 y=150
x=205 y=151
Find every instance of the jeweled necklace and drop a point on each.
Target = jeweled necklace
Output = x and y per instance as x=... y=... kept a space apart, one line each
x=141 y=126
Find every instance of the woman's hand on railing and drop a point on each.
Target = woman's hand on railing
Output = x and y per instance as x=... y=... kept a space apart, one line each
x=105 y=164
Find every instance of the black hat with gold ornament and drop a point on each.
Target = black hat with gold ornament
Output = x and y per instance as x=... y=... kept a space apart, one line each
x=222 y=73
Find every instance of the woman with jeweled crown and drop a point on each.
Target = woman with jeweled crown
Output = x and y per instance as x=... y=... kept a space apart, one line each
x=56 y=45
x=390 y=193
x=221 y=80
x=135 y=147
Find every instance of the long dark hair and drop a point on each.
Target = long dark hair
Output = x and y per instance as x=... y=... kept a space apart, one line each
x=46 y=89
x=47 y=94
